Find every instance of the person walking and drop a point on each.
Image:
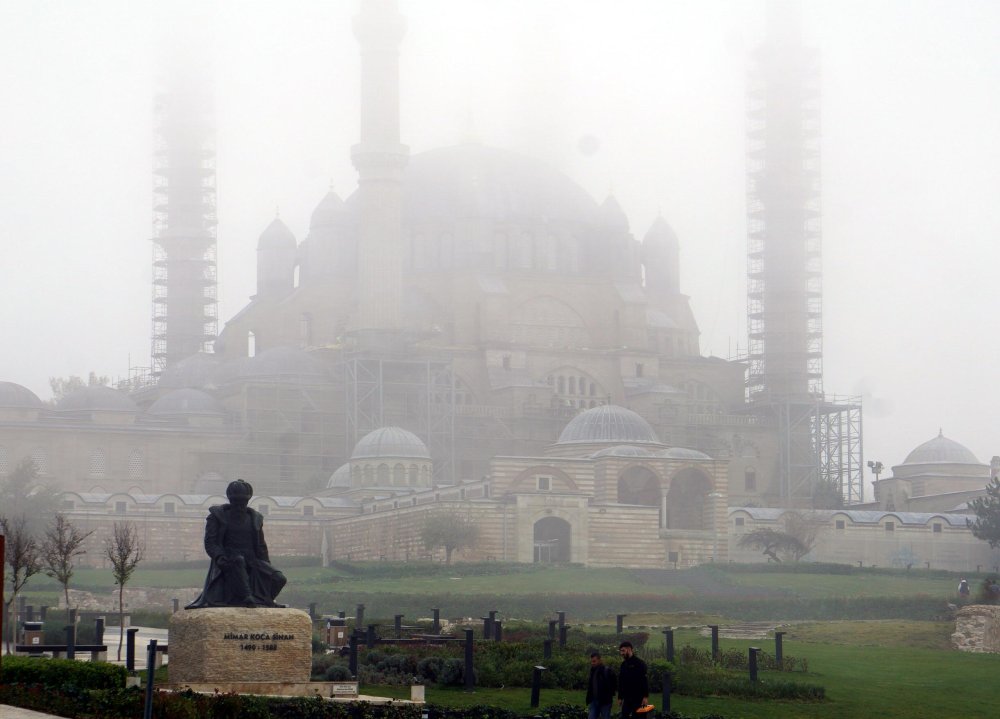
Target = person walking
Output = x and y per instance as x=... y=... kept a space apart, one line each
x=600 y=688
x=963 y=588
x=633 y=684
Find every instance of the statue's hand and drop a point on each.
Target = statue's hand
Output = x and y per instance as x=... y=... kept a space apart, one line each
x=222 y=561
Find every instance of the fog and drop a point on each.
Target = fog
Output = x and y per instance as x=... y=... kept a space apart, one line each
x=655 y=89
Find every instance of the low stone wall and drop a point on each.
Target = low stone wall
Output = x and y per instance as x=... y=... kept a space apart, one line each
x=977 y=629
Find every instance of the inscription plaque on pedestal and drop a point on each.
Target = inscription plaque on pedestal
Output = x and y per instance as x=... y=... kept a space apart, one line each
x=235 y=644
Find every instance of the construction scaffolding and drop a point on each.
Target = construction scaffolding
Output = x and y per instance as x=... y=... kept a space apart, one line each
x=185 y=298
x=819 y=438
x=417 y=394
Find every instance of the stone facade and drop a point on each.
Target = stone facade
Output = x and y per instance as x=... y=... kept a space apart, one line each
x=977 y=629
x=230 y=645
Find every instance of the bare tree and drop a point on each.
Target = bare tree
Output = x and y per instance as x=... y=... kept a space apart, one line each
x=21 y=556
x=23 y=493
x=62 y=386
x=124 y=550
x=773 y=543
x=62 y=545
x=803 y=527
x=449 y=530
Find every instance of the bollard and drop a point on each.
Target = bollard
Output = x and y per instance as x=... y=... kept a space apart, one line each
x=130 y=649
x=72 y=616
x=99 y=630
x=619 y=622
x=715 y=641
x=42 y=611
x=70 y=641
x=562 y=619
x=562 y=635
x=547 y=649
x=436 y=626
x=552 y=628
x=30 y=617
x=665 y=707
x=778 y=653
x=359 y=616
x=668 y=635
x=150 y=671
x=312 y=610
x=397 y=624
x=177 y=605
x=370 y=636
x=470 y=678
x=536 y=685
x=498 y=631
x=352 y=664
x=752 y=661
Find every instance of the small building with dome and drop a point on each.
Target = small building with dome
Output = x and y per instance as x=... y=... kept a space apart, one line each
x=939 y=475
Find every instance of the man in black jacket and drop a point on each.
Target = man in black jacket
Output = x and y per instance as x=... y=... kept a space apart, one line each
x=633 y=685
x=600 y=688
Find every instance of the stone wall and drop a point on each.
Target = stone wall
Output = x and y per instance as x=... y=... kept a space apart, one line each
x=977 y=629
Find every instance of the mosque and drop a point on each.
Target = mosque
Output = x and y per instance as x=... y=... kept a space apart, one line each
x=469 y=333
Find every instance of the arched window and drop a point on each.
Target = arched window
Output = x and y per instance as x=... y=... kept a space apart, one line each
x=414 y=476
x=136 y=464
x=369 y=475
x=399 y=475
x=639 y=485
x=251 y=344
x=41 y=459
x=688 y=502
x=98 y=463
x=383 y=475
x=305 y=329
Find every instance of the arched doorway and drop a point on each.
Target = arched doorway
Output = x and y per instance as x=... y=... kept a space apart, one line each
x=687 y=501
x=639 y=485
x=552 y=538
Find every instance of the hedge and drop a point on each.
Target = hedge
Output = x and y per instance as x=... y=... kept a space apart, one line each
x=62 y=672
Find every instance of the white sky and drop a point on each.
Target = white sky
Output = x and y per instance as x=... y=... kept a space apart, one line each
x=911 y=165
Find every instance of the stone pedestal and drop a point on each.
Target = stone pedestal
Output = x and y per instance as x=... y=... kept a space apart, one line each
x=230 y=645
x=977 y=628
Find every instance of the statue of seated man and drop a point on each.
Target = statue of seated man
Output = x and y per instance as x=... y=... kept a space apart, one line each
x=240 y=574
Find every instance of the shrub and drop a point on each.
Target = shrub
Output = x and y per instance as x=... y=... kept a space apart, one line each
x=56 y=673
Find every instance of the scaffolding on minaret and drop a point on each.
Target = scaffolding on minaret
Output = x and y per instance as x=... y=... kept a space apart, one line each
x=820 y=438
x=185 y=301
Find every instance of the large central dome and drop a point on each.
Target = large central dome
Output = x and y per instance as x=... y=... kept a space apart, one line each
x=483 y=182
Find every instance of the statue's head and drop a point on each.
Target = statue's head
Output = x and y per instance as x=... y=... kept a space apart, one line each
x=238 y=493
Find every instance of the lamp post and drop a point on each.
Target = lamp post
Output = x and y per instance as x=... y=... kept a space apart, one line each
x=876 y=468
x=714 y=496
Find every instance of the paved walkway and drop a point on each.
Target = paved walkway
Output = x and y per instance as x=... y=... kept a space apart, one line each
x=8 y=712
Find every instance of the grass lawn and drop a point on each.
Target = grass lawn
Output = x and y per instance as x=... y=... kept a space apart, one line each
x=887 y=681
x=850 y=585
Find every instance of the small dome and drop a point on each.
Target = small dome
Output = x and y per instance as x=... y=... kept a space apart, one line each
x=390 y=442
x=613 y=215
x=186 y=401
x=286 y=363
x=328 y=211
x=659 y=234
x=682 y=453
x=277 y=236
x=941 y=449
x=608 y=424
x=622 y=450
x=97 y=398
x=14 y=395
x=340 y=478
x=191 y=372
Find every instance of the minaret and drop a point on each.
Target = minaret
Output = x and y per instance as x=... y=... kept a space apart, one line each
x=379 y=159
x=784 y=294
x=185 y=305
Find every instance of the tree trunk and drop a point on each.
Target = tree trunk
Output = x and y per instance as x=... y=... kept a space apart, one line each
x=121 y=619
x=69 y=612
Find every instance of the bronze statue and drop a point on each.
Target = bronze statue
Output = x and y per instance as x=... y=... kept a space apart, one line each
x=240 y=574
